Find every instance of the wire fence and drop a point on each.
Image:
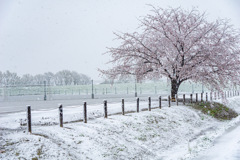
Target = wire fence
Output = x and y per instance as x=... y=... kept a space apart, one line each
x=49 y=92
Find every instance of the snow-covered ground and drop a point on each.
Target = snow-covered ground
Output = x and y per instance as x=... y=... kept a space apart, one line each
x=227 y=146
x=178 y=132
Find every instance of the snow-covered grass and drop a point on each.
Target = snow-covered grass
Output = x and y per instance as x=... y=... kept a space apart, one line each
x=216 y=110
x=178 y=132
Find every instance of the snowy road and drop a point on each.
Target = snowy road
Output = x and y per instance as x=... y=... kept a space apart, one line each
x=19 y=106
x=226 y=147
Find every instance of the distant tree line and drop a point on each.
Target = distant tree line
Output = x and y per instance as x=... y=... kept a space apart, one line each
x=61 y=78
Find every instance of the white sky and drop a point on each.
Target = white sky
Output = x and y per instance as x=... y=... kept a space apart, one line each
x=37 y=36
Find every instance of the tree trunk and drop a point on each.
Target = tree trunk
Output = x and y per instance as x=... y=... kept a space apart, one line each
x=174 y=89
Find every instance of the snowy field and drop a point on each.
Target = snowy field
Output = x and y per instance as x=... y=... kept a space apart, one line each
x=178 y=132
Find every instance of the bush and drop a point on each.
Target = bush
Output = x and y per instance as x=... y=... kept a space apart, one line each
x=216 y=110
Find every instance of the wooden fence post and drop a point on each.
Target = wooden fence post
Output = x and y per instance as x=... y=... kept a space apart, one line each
x=218 y=95
x=29 y=121
x=210 y=96
x=123 y=107
x=201 y=97
x=191 y=98
x=183 y=99
x=85 y=112
x=206 y=97
x=196 y=97
x=215 y=95
x=177 y=99
x=137 y=104
x=149 y=103
x=169 y=101
x=160 y=102
x=105 y=108
x=61 y=115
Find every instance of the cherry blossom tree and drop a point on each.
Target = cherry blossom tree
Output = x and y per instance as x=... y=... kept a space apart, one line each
x=180 y=45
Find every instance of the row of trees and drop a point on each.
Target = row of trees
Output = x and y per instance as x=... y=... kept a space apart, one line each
x=64 y=77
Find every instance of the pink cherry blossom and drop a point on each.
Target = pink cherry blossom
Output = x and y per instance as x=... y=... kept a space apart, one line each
x=180 y=45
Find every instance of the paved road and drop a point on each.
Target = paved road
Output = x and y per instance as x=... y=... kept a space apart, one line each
x=226 y=147
x=19 y=105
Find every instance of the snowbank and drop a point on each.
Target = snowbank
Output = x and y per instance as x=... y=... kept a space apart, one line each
x=178 y=132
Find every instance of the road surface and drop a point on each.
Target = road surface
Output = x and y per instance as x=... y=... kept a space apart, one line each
x=19 y=105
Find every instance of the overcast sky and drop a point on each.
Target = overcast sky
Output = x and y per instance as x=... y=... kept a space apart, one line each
x=38 y=36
